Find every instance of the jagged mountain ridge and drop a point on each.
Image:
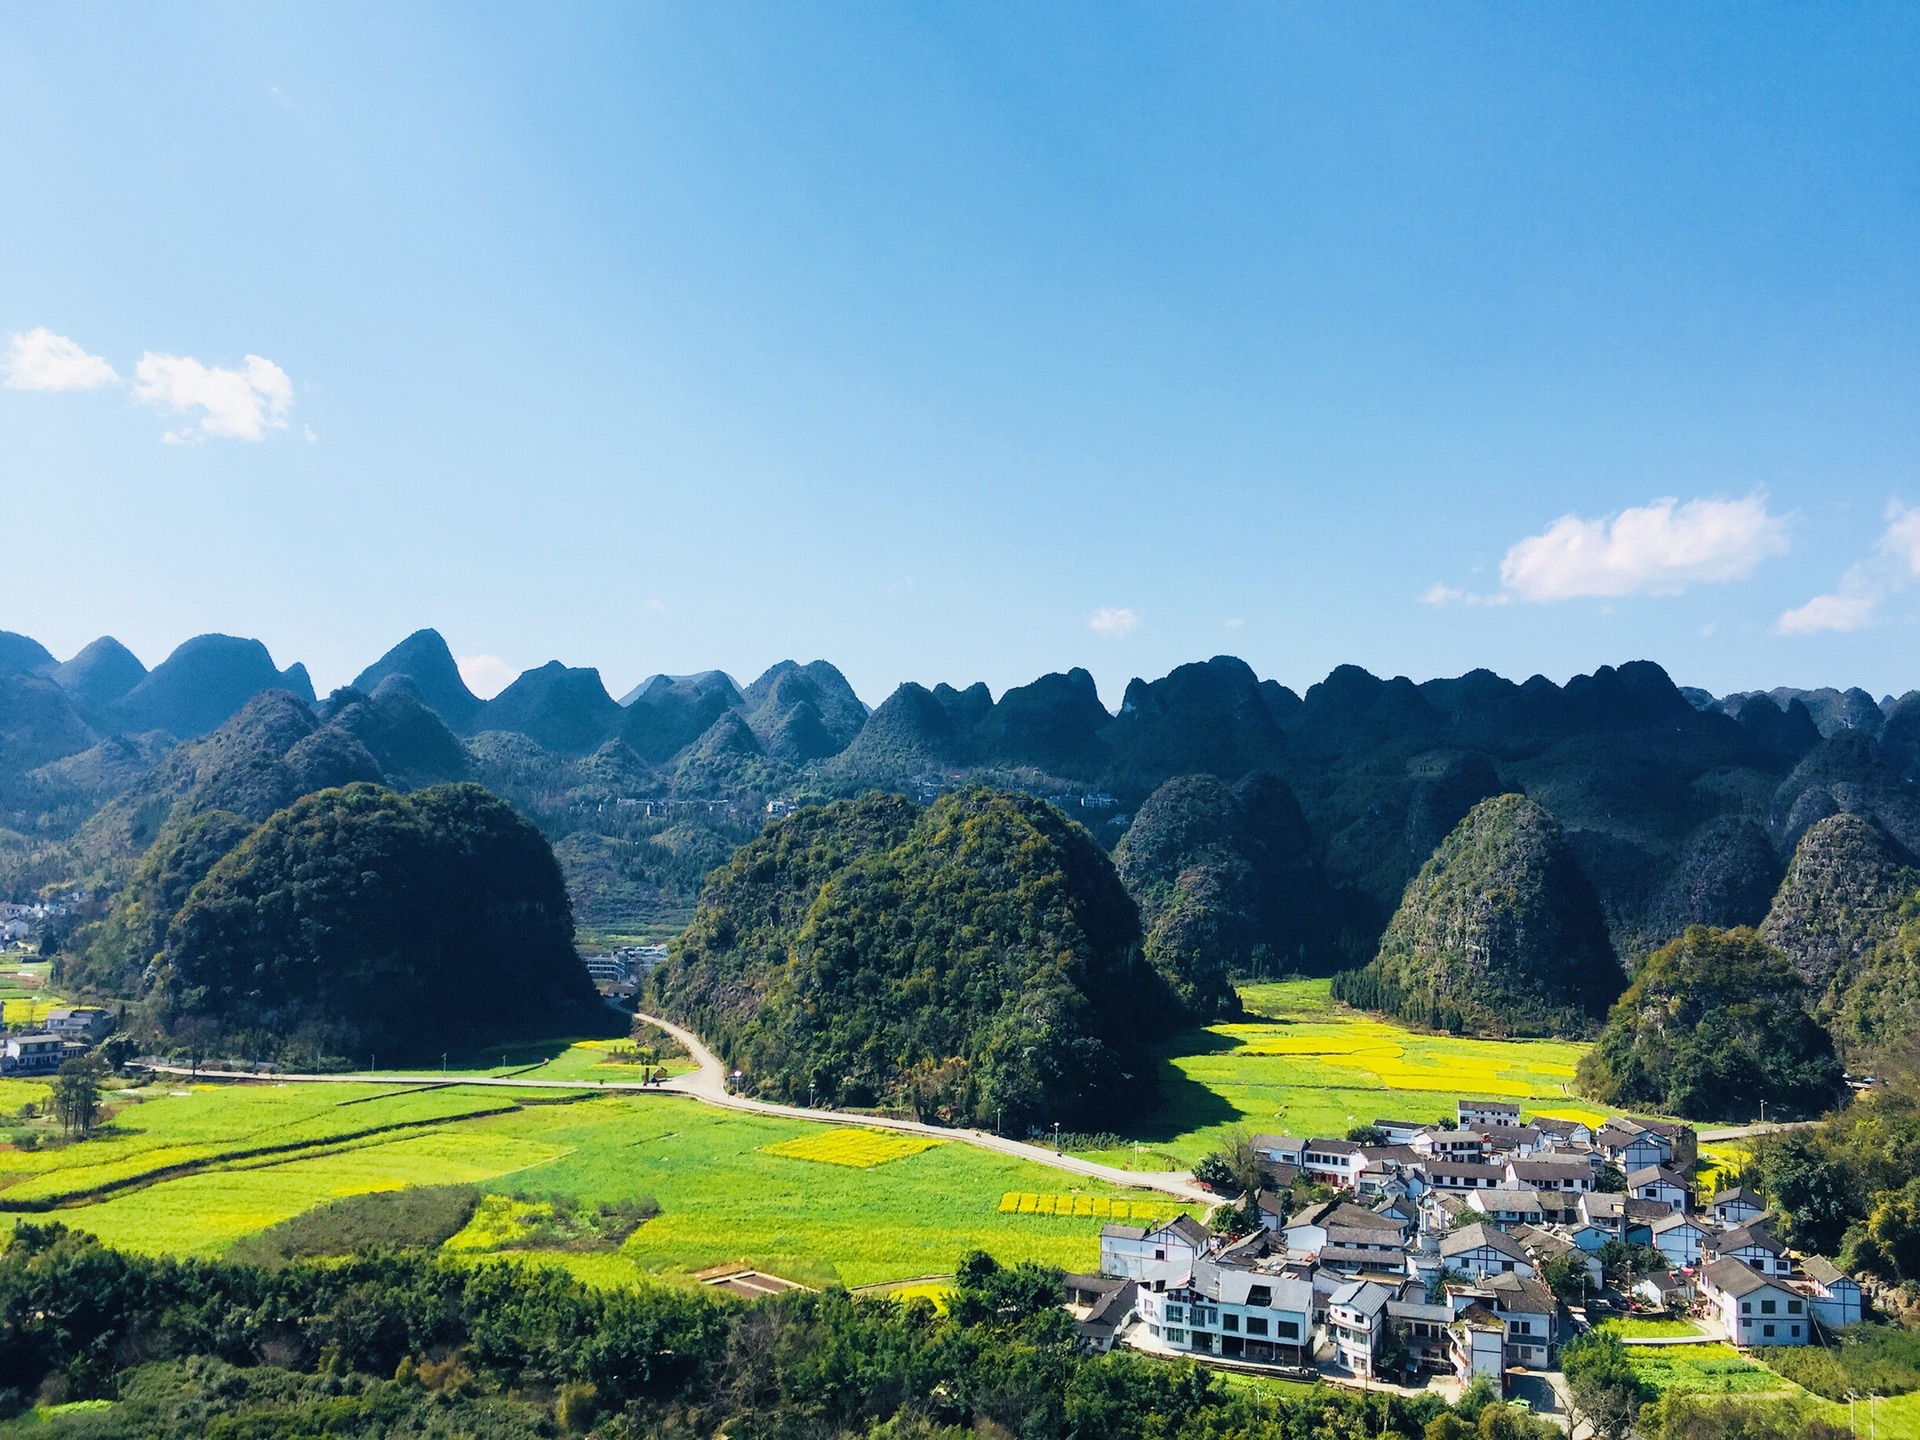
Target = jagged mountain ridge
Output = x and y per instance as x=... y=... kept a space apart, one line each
x=1637 y=771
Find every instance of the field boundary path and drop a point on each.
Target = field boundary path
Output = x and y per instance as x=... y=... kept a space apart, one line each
x=708 y=1085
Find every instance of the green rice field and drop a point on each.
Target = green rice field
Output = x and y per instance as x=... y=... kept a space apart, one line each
x=191 y=1169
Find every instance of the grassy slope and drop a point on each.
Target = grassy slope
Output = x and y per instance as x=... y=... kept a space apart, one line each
x=1304 y=1064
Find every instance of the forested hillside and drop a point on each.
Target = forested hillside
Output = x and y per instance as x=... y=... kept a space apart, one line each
x=978 y=961
x=359 y=921
x=1678 y=809
x=1499 y=934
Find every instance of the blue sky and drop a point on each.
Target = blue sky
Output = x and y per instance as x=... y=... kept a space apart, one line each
x=969 y=342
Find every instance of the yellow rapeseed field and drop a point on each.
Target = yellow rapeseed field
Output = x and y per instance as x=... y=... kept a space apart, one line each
x=851 y=1145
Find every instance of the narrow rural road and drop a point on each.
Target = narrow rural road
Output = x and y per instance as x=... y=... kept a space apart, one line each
x=708 y=1085
x=1745 y=1132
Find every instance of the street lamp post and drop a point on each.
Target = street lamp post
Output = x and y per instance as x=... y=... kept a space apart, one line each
x=1056 y=1137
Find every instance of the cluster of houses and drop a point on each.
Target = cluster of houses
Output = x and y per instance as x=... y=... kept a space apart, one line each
x=618 y=972
x=1432 y=1254
x=69 y=1031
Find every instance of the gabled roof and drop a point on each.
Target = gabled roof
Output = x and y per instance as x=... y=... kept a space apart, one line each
x=1646 y=1211
x=1110 y=1310
x=1517 y=1292
x=1433 y=1169
x=1314 y=1214
x=1757 y=1233
x=1649 y=1174
x=1334 y=1147
x=1536 y=1240
x=1823 y=1271
x=1473 y=1237
x=1188 y=1229
x=1280 y=1142
x=1553 y=1168
x=1362 y=1295
x=1603 y=1202
x=1674 y=1222
x=1735 y=1277
x=1122 y=1232
x=1739 y=1195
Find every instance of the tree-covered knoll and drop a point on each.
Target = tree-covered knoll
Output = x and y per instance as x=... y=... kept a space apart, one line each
x=1714 y=1025
x=1227 y=884
x=978 y=960
x=1499 y=934
x=360 y=921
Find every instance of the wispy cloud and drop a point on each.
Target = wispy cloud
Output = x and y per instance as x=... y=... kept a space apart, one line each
x=38 y=359
x=1656 y=549
x=486 y=675
x=239 y=404
x=1441 y=594
x=1855 y=602
x=1111 y=622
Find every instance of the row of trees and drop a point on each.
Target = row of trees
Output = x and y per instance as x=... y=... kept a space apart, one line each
x=191 y=1348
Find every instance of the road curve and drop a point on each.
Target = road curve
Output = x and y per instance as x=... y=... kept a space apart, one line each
x=708 y=1085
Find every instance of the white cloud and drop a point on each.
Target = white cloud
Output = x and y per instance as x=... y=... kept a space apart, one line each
x=41 y=360
x=1236 y=622
x=1656 y=549
x=240 y=404
x=1438 y=594
x=1112 y=622
x=486 y=675
x=1855 y=602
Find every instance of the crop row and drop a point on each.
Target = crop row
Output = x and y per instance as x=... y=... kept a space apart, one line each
x=1079 y=1207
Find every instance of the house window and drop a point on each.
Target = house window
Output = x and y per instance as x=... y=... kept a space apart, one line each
x=1176 y=1312
x=1793 y=1307
x=1746 y=1307
x=1176 y=1337
x=1286 y=1329
x=1256 y=1325
x=1230 y=1322
x=1766 y=1307
x=1261 y=1295
x=1767 y=1331
x=1159 y=1254
x=1796 y=1332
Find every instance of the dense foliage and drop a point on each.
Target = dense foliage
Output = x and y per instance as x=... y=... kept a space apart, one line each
x=1714 y=1025
x=1846 y=880
x=1227 y=885
x=421 y=1218
x=362 y=921
x=1843 y=1185
x=979 y=960
x=404 y=1344
x=1499 y=934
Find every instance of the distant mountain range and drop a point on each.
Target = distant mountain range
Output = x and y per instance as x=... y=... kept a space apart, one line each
x=1680 y=806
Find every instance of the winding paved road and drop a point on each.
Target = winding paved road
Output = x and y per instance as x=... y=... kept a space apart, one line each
x=708 y=1084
